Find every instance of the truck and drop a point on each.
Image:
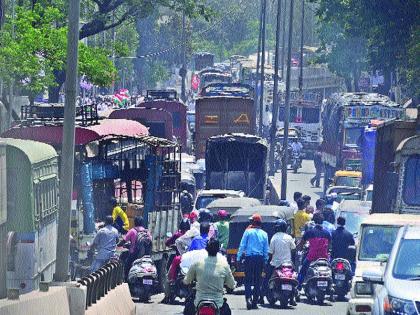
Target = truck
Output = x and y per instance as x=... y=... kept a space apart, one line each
x=237 y=162
x=396 y=184
x=223 y=108
x=344 y=117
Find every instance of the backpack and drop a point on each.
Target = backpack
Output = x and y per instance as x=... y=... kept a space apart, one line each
x=143 y=243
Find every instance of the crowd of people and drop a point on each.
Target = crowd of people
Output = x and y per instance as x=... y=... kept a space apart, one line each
x=316 y=226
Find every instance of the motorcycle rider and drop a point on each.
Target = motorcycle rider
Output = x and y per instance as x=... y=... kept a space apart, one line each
x=254 y=246
x=131 y=236
x=186 y=201
x=119 y=217
x=297 y=148
x=183 y=227
x=105 y=242
x=200 y=241
x=319 y=240
x=211 y=274
x=341 y=240
x=223 y=228
x=301 y=218
x=281 y=250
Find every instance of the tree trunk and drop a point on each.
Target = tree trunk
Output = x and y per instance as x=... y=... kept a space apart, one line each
x=54 y=91
x=356 y=77
x=348 y=84
x=387 y=82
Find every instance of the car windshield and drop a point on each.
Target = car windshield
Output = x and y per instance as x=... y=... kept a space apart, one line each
x=407 y=261
x=347 y=181
x=204 y=201
x=353 y=220
x=377 y=241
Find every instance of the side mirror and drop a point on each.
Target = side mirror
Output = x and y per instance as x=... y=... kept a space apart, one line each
x=373 y=276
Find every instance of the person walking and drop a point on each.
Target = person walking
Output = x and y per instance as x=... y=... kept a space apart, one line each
x=105 y=242
x=318 y=169
x=253 y=249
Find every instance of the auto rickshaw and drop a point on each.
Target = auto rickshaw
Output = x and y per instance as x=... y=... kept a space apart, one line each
x=347 y=178
x=240 y=220
x=232 y=204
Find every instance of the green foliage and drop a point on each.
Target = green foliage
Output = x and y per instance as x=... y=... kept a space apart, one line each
x=33 y=48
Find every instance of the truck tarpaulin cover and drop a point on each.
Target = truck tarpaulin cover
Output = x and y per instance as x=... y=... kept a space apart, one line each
x=238 y=162
x=368 y=155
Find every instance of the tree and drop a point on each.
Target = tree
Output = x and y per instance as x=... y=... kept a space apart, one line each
x=37 y=51
x=343 y=45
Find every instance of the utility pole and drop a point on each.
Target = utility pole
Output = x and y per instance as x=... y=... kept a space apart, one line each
x=11 y=83
x=183 y=70
x=67 y=161
x=287 y=108
x=275 y=92
x=301 y=52
x=257 y=71
x=262 y=67
x=283 y=39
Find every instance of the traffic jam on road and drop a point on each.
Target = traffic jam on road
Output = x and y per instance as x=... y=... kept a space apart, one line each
x=213 y=186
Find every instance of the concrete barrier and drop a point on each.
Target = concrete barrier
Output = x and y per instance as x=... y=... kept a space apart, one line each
x=70 y=299
x=117 y=301
x=54 y=301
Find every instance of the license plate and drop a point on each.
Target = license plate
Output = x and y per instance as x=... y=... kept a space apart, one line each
x=148 y=281
x=340 y=277
x=322 y=283
x=287 y=287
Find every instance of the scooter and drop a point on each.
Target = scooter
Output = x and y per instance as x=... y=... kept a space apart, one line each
x=318 y=281
x=142 y=278
x=283 y=286
x=207 y=307
x=341 y=272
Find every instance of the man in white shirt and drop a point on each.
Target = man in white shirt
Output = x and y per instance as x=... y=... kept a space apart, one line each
x=280 y=250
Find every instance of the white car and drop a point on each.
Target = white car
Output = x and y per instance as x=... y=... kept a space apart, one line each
x=206 y=196
x=397 y=290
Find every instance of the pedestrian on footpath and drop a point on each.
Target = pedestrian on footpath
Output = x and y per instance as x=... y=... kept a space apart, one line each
x=318 y=169
x=253 y=249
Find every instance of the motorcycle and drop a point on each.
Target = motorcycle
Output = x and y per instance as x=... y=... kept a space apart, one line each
x=341 y=272
x=142 y=278
x=207 y=307
x=295 y=163
x=282 y=286
x=178 y=288
x=318 y=281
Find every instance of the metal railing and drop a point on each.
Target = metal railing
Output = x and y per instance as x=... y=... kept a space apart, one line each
x=100 y=282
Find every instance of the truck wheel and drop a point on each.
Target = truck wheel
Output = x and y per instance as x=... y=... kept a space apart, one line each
x=161 y=269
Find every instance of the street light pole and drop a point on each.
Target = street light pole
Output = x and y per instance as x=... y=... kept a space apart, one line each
x=301 y=51
x=67 y=160
x=262 y=66
x=257 y=70
x=275 y=92
x=287 y=108
x=183 y=71
x=283 y=39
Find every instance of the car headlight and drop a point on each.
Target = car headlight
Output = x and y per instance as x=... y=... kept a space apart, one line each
x=393 y=305
x=363 y=288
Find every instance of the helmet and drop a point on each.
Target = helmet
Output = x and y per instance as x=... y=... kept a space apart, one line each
x=281 y=225
x=193 y=215
x=184 y=225
x=222 y=214
x=205 y=215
